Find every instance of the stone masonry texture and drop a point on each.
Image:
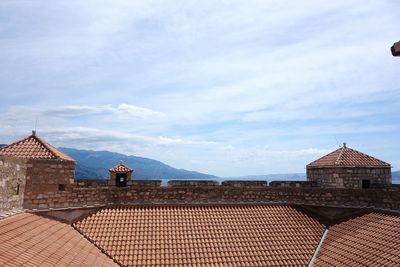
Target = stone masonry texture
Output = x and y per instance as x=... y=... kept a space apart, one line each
x=346 y=177
x=78 y=196
x=12 y=183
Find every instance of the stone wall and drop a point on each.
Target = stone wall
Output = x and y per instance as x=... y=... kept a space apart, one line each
x=49 y=175
x=292 y=184
x=349 y=177
x=388 y=198
x=237 y=183
x=12 y=183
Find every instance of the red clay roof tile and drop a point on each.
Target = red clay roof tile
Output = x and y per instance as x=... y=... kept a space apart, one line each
x=31 y=240
x=347 y=157
x=121 y=167
x=33 y=147
x=368 y=240
x=205 y=236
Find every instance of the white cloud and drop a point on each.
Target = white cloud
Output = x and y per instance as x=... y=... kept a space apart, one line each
x=203 y=77
x=135 y=111
x=124 y=110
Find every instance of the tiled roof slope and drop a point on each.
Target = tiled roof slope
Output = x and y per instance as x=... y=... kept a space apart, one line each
x=369 y=240
x=33 y=147
x=347 y=157
x=31 y=240
x=121 y=167
x=204 y=236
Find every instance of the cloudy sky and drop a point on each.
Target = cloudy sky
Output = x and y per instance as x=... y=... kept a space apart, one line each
x=223 y=87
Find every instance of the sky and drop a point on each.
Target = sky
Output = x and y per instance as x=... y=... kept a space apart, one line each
x=228 y=88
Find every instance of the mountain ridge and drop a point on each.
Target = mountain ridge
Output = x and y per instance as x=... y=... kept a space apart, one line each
x=95 y=165
x=93 y=171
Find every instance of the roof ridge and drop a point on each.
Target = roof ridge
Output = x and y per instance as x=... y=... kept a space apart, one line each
x=338 y=159
x=38 y=144
x=330 y=153
x=366 y=155
x=347 y=157
x=56 y=153
x=120 y=167
x=14 y=143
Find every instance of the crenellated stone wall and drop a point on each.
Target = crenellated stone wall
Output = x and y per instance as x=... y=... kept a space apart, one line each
x=44 y=184
x=12 y=183
x=346 y=177
x=185 y=192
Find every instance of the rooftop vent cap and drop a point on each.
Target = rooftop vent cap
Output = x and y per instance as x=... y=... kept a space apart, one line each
x=33 y=132
x=344 y=145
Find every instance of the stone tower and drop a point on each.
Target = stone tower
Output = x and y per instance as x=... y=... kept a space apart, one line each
x=349 y=168
x=120 y=175
x=31 y=166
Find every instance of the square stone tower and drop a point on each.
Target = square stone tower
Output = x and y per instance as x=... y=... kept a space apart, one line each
x=349 y=168
x=31 y=166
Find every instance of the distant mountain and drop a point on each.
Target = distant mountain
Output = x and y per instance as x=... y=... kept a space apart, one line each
x=1 y=145
x=95 y=165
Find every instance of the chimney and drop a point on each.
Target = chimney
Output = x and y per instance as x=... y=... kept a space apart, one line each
x=33 y=133
x=344 y=145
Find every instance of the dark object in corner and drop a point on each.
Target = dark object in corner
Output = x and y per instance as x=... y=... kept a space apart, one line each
x=61 y=187
x=396 y=49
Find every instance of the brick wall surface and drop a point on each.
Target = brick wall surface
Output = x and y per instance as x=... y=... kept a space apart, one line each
x=12 y=183
x=349 y=177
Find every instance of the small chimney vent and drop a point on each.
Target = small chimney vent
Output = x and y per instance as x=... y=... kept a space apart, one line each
x=344 y=145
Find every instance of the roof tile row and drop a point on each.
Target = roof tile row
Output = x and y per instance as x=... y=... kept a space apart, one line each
x=33 y=147
x=31 y=240
x=369 y=240
x=347 y=157
x=205 y=236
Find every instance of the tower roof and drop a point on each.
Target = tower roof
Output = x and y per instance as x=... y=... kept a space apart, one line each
x=347 y=157
x=32 y=147
x=121 y=167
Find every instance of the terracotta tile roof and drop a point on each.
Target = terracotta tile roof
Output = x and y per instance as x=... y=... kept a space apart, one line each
x=121 y=167
x=31 y=240
x=204 y=236
x=347 y=157
x=33 y=147
x=368 y=240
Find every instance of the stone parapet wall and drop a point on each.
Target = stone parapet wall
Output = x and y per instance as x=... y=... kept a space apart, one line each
x=192 y=183
x=388 y=199
x=12 y=183
x=145 y=183
x=236 y=183
x=292 y=184
x=92 y=183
